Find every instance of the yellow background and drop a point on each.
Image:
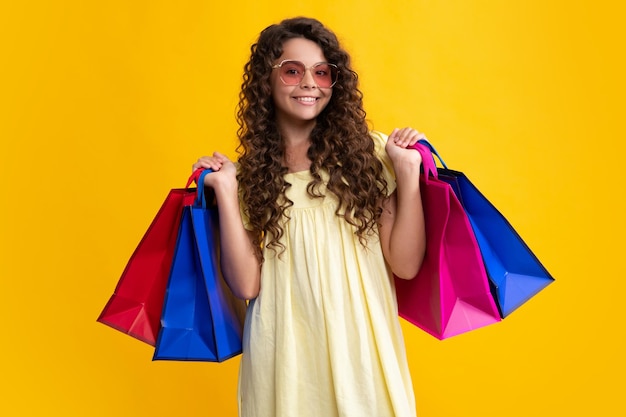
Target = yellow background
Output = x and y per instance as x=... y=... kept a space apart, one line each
x=106 y=104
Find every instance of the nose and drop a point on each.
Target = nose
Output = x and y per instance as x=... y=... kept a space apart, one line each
x=308 y=81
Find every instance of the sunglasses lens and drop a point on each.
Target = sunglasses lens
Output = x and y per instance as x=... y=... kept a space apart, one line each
x=292 y=73
x=325 y=75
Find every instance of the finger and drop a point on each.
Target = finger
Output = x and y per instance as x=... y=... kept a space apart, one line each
x=393 y=136
x=420 y=136
x=220 y=157
x=214 y=165
x=197 y=165
x=405 y=137
x=402 y=137
x=414 y=137
x=206 y=162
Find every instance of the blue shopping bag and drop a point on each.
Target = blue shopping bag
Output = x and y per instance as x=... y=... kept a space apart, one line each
x=515 y=273
x=201 y=320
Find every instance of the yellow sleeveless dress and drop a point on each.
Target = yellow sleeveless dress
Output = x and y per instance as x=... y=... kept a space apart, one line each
x=323 y=339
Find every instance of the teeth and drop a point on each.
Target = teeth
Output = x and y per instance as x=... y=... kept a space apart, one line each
x=307 y=99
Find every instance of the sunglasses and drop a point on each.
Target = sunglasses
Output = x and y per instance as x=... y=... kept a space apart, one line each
x=292 y=72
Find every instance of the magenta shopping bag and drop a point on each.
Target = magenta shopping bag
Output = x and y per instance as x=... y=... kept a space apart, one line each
x=515 y=273
x=450 y=294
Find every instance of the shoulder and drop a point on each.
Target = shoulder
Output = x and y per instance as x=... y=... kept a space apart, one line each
x=380 y=140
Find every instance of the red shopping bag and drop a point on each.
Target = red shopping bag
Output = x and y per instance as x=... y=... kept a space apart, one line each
x=137 y=302
x=450 y=294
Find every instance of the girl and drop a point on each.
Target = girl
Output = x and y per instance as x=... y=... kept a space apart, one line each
x=316 y=216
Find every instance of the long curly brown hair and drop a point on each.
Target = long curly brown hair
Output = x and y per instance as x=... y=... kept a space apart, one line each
x=340 y=141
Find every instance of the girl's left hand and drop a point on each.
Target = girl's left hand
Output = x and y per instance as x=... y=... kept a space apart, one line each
x=398 y=142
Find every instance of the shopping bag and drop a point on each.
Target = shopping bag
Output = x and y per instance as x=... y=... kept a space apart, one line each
x=136 y=304
x=450 y=294
x=515 y=272
x=202 y=320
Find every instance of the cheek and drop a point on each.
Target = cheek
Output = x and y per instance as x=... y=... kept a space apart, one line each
x=275 y=83
x=327 y=98
x=277 y=87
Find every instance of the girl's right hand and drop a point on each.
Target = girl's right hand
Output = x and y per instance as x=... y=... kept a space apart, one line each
x=224 y=169
x=238 y=257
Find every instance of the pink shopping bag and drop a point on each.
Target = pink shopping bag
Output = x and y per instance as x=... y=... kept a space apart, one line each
x=450 y=294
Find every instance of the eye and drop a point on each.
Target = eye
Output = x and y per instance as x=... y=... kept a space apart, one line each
x=323 y=70
x=290 y=68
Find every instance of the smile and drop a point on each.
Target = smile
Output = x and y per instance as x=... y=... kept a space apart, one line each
x=306 y=99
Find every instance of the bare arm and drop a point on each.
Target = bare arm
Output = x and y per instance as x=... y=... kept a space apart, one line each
x=240 y=265
x=402 y=230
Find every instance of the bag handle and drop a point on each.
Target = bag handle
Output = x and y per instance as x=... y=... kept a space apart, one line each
x=200 y=200
x=427 y=150
x=194 y=177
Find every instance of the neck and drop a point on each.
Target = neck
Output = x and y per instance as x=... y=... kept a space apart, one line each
x=295 y=134
x=296 y=144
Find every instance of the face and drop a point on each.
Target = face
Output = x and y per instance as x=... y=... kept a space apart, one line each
x=302 y=103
